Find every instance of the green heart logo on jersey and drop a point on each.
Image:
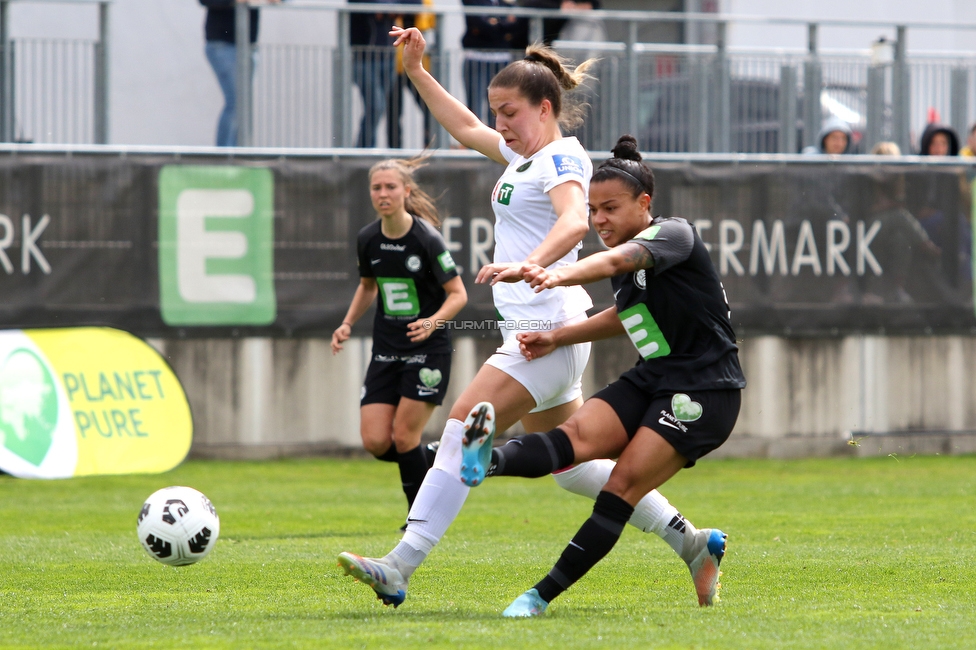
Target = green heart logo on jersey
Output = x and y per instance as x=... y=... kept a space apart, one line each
x=28 y=406
x=430 y=377
x=684 y=408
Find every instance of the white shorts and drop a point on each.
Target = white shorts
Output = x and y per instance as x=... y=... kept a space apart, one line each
x=554 y=379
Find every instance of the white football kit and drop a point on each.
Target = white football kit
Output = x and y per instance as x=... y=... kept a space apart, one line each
x=524 y=215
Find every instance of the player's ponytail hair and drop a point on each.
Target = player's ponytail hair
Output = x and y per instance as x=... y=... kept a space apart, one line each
x=627 y=166
x=418 y=202
x=543 y=74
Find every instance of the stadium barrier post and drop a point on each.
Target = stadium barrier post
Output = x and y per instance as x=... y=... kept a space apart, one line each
x=242 y=42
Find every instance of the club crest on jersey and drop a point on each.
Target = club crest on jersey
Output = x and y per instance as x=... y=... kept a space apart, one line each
x=640 y=278
x=522 y=168
x=567 y=164
x=413 y=263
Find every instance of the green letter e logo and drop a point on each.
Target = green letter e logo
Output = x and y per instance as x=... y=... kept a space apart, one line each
x=216 y=238
x=644 y=332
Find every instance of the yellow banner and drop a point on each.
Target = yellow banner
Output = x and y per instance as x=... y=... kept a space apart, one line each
x=83 y=401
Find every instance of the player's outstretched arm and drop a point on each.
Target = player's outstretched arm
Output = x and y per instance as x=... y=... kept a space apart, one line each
x=450 y=112
x=363 y=298
x=569 y=203
x=625 y=258
x=604 y=325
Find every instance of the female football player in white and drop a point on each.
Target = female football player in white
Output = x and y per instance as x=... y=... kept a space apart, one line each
x=540 y=218
x=403 y=259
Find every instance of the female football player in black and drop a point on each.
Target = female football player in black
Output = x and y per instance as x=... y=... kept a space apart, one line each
x=404 y=262
x=677 y=404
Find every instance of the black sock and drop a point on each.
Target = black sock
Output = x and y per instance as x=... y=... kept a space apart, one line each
x=413 y=469
x=533 y=455
x=389 y=456
x=590 y=544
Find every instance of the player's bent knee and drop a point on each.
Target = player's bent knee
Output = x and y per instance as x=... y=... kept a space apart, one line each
x=405 y=438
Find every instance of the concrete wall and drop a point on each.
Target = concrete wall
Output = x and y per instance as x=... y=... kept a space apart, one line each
x=259 y=398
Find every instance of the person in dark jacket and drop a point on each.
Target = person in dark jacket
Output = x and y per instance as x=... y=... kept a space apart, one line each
x=372 y=66
x=488 y=43
x=939 y=140
x=220 y=30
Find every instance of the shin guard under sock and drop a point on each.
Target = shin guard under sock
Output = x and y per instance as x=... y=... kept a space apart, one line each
x=533 y=455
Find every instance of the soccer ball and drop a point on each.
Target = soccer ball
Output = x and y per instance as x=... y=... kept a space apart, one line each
x=178 y=525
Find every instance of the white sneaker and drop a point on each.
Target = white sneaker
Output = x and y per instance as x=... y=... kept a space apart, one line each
x=704 y=553
x=386 y=580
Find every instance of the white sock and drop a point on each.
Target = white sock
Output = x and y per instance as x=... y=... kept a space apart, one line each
x=437 y=504
x=652 y=514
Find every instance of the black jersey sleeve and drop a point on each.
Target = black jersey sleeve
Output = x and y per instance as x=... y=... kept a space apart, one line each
x=669 y=241
x=362 y=253
x=440 y=258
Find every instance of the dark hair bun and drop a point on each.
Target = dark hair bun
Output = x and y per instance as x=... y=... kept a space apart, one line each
x=626 y=148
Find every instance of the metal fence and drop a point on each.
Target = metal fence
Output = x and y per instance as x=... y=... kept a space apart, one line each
x=54 y=90
x=673 y=97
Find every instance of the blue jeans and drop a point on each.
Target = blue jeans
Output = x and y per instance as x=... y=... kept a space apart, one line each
x=223 y=59
x=373 y=72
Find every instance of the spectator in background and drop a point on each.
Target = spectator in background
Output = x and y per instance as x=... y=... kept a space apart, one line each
x=886 y=149
x=550 y=26
x=488 y=43
x=372 y=66
x=938 y=140
x=582 y=27
x=220 y=30
x=834 y=137
x=425 y=22
x=969 y=151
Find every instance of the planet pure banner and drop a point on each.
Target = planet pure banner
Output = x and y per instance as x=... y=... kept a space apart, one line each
x=85 y=401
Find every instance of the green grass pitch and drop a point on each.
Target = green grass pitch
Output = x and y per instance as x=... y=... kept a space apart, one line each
x=838 y=553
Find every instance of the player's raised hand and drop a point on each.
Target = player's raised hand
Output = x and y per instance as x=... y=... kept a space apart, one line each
x=533 y=345
x=413 y=46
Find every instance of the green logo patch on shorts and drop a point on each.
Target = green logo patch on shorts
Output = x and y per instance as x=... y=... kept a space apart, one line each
x=430 y=377
x=684 y=408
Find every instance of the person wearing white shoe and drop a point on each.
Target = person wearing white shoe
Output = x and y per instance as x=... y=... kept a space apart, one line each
x=540 y=218
x=677 y=404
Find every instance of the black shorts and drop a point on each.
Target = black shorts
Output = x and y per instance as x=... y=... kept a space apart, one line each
x=693 y=422
x=421 y=377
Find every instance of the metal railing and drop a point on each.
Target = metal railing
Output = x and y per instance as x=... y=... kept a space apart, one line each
x=674 y=97
x=55 y=90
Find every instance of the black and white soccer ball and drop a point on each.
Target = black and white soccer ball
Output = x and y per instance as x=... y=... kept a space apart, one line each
x=178 y=525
